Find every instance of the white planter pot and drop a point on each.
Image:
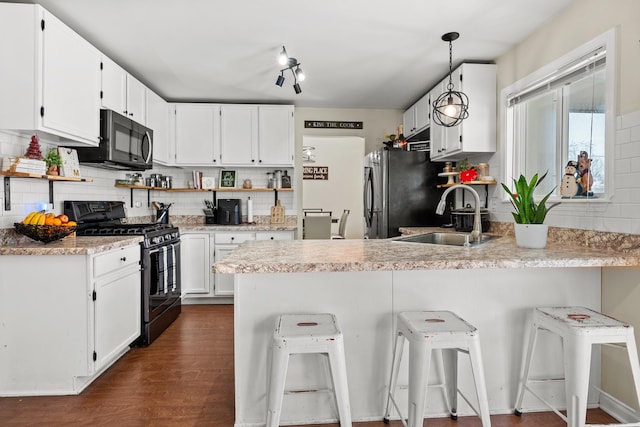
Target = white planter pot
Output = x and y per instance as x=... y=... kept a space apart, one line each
x=532 y=236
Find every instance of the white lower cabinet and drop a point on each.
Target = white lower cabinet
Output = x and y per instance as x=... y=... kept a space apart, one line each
x=195 y=264
x=65 y=318
x=199 y=252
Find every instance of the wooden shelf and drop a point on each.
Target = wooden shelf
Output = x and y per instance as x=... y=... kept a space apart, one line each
x=198 y=190
x=468 y=183
x=50 y=178
x=47 y=177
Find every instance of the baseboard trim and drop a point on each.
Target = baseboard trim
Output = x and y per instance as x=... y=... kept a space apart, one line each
x=618 y=410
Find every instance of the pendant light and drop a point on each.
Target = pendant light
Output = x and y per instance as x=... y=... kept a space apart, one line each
x=451 y=107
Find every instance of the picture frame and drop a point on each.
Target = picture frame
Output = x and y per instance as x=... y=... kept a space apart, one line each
x=227 y=179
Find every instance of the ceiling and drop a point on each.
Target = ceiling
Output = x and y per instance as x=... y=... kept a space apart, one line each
x=355 y=53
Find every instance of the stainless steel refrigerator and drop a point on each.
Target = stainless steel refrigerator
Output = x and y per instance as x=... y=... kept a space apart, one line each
x=400 y=189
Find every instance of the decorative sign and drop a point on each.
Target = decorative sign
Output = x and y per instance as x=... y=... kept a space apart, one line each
x=315 y=172
x=324 y=124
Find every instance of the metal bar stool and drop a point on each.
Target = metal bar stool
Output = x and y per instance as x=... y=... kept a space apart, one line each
x=307 y=333
x=579 y=328
x=427 y=331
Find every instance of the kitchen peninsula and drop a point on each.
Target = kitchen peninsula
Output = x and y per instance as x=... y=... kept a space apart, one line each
x=367 y=282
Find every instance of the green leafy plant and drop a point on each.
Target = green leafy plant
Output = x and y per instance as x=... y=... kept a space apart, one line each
x=527 y=211
x=53 y=158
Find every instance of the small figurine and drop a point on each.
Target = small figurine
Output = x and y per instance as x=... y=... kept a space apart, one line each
x=570 y=185
x=584 y=169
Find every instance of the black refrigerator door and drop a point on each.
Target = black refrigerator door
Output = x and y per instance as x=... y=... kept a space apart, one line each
x=413 y=194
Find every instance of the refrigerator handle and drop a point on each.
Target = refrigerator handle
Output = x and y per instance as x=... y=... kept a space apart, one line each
x=368 y=197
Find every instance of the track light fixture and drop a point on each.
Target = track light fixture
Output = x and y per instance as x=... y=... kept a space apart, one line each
x=451 y=107
x=290 y=63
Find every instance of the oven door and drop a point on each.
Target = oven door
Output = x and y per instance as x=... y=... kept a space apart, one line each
x=161 y=280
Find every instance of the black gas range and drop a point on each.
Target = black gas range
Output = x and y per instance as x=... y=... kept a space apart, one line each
x=160 y=259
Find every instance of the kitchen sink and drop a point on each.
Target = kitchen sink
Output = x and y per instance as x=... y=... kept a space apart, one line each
x=450 y=239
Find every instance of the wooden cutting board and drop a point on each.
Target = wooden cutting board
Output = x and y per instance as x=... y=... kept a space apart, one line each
x=277 y=213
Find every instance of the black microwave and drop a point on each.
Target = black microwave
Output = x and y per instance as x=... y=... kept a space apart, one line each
x=124 y=144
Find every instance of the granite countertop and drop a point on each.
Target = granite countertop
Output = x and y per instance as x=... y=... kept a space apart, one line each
x=386 y=255
x=70 y=245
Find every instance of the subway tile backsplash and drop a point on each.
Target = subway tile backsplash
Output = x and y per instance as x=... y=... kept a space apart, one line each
x=32 y=194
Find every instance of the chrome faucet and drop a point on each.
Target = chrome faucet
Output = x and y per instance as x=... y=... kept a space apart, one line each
x=476 y=234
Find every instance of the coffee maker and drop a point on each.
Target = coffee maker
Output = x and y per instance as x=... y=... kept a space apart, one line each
x=229 y=212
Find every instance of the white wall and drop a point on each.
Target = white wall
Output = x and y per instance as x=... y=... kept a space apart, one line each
x=343 y=190
x=580 y=22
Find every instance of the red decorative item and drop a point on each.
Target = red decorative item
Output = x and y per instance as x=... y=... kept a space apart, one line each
x=33 y=152
x=468 y=175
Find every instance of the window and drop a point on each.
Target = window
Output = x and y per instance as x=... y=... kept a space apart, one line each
x=561 y=116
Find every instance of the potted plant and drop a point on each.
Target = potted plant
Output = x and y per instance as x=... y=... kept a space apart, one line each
x=53 y=161
x=529 y=216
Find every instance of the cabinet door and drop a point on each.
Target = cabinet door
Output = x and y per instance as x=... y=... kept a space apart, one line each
x=136 y=100
x=197 y=134
x=195 y=264
x=114 y=86
x=409 y=121
x=117 y=313
x=70 y=81
x=158 y=117
x=436 y=131
x=239 y=134
x=423 y=113
x=276 y=135
x=452 y=135
x=223 y=283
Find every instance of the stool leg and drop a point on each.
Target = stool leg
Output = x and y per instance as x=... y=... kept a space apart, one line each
x=475 y=356
x=450 y=361
x=339 y=379
x=577 y=363
x=632 y=351
x=533 y=336
x=395 y=368
x=277 y=379
x=419 y=364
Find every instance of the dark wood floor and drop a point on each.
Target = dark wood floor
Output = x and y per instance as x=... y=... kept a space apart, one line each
x=185 y=378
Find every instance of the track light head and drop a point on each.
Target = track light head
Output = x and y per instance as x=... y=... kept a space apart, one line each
x=280 y=80
x=300 y=74
x=283 y=58
x=297 y=88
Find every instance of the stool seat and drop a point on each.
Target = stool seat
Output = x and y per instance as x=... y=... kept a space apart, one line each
x=436 y=330
x=580 y=328
x=304 y=334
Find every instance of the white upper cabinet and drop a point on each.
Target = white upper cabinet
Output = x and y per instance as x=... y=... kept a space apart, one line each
x=50 y=79
x=417 y=117
x=477 y=133
x=276 y=133
x=239 y=134
x=122 y=93
x=256 y=135
x=197 y=134
x=158 y=120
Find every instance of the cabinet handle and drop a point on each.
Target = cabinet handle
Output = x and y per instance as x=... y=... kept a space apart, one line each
x=131 y=114
x=271 y=237
x=253 y=160
x=123 y=259
x=232 y=238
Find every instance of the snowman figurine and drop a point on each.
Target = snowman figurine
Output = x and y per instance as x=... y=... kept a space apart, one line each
x=570 y=186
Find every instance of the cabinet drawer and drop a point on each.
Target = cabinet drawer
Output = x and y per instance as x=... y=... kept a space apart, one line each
x=274 y=235
x=234 y=238
x=106 y=263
